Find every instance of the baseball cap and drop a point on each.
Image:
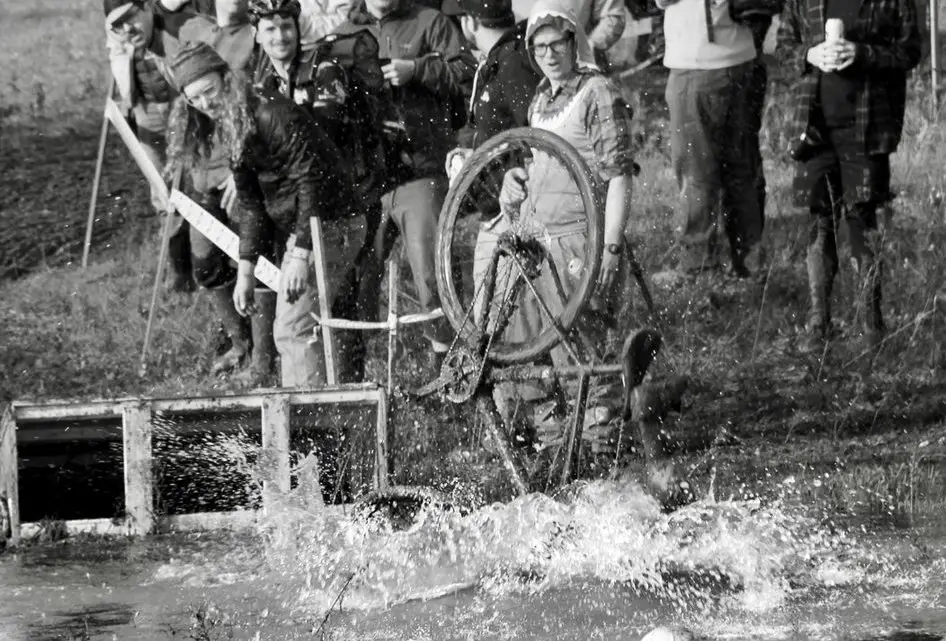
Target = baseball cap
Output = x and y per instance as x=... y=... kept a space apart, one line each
x=497 y=11
x=115 y=10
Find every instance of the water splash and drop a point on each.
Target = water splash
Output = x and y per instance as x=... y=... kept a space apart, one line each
x=730 y=569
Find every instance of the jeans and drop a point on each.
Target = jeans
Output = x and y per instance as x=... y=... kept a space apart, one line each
x=711 y=141
x=303 y=365
x=412 y=210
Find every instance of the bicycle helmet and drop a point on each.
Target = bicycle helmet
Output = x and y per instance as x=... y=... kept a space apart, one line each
x=267 y=8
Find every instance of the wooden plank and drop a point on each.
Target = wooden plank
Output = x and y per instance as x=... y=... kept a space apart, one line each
x=139 y=494
x=237 y=520
x=347 y=394
x=150 y=172
x=382 y=461
x=222 y=236
x=325 y=310
x=276 y=472
x=9 y=481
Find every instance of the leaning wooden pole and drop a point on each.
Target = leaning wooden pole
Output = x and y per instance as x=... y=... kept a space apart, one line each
x=321 y=284
x=158 y=278
x=97 y=178
x=934 y=57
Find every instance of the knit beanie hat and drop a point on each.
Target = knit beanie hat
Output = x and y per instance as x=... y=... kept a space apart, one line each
x=194 y=60
x=116 y=9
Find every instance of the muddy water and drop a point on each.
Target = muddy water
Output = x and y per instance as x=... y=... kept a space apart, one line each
x=605 y=565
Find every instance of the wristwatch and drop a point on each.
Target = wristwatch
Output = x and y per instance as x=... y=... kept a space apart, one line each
x=614 y=248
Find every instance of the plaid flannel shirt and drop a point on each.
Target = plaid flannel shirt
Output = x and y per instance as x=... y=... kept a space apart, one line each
x=607 y=116
x=888 y=44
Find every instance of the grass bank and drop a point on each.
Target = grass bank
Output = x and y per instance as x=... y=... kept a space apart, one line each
x=856 y=435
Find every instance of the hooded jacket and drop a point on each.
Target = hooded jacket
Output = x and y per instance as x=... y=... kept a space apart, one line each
x=426 y=106
x=503 y=88
x=545 y=11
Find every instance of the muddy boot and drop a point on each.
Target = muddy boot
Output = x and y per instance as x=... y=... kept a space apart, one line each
x=650 y=406
x=818 y=325
x=874 y=327
x=262 y=369
x=235 y=326
x=180 y=271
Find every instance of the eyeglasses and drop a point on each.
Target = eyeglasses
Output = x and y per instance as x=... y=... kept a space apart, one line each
x=208 y=97
x=558 y=47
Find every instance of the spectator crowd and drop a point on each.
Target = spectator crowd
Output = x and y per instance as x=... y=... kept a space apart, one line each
x=237 y=100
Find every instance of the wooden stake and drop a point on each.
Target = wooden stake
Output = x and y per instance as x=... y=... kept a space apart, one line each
x=139 y=489
x=158 y=277
x=318 y=255
x=277 y=479
x=9 y=479
x=99 y=161
x=382 y=461
x=934 y=56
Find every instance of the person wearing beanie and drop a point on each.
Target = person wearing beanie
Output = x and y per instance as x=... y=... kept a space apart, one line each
x=231 y=35
x=286 y=170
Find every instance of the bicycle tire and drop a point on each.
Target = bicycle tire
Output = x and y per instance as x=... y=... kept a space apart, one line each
x=491 y=150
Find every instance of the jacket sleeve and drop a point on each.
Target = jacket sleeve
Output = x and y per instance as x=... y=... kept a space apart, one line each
x=250 y=199
x=901 y=55
x=609 y=19
x=792 y=36
x=448 y=65
x=120 y=61
x=519 y=81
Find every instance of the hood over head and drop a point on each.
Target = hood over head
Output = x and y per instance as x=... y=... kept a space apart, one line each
x=561 y=15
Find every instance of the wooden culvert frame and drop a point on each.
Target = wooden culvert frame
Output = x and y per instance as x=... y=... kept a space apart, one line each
x=136 y=415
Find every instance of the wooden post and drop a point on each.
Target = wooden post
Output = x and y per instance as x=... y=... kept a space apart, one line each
x=934 y=57
x=158 y=277
x=382 y=461
x=573 y=434
x=393 y=275
x=97 y=177
x=139 y=494
x=276 y=480
x=325 y=311
x=9 y=481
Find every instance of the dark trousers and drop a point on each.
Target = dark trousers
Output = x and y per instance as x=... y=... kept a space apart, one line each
x=843 y=187
x=712 y=160
x=758 y=86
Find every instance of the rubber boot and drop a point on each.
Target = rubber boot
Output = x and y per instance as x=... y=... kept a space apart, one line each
x=872 y=283
x=820 y=281
x=650 y=405
x=235 y=327
x=262 y=369
x=180 y=273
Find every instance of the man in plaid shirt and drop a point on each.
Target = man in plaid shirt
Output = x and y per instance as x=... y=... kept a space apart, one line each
x=848 y=118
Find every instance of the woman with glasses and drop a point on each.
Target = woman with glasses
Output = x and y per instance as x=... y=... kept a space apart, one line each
x=578 y=103
x=286 y=171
